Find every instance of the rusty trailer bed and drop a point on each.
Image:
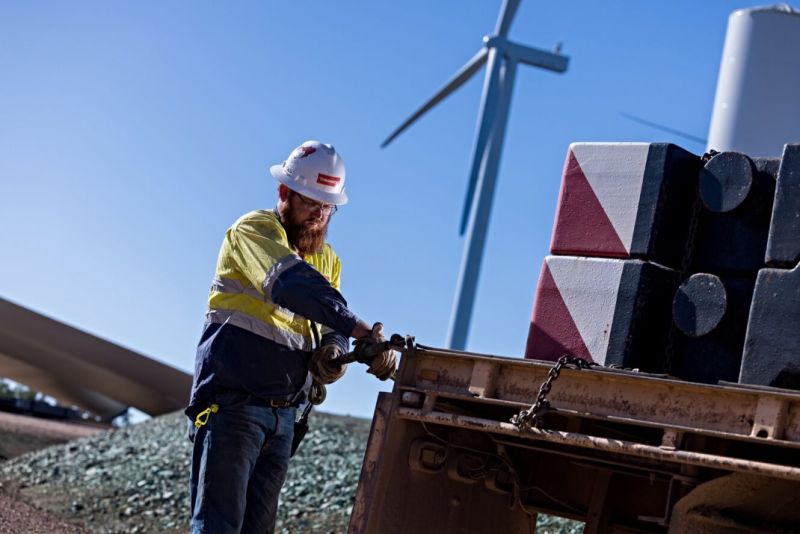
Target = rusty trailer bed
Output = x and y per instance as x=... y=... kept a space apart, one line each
x=621 y=450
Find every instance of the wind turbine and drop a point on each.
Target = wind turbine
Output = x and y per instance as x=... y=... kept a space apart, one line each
x=501 y=57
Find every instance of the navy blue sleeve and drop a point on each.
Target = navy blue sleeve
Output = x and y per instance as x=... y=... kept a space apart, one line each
x=335 y=338
x=303 y=290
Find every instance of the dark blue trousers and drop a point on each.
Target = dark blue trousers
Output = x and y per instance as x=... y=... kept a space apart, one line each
x=239 y=464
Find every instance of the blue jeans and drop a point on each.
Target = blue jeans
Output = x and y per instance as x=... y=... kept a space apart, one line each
x=239 y=464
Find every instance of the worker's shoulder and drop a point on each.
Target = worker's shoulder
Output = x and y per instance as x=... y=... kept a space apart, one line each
x=328 y=251
x=259 y=218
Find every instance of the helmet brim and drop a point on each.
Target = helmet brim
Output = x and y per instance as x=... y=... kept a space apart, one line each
x=338 y=199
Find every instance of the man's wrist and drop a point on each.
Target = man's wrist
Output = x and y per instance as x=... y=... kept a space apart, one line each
x=361 y=329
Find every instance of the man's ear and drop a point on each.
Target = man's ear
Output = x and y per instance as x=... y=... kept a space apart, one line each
x=283 y=192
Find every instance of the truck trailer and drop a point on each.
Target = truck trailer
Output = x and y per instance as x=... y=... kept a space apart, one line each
x=660 y=388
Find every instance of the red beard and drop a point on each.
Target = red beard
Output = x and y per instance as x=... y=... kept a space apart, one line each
x=304 y=238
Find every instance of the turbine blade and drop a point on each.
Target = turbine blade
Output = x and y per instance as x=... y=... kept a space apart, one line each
x=457 y=81
x=663 y=128
x=507 y=13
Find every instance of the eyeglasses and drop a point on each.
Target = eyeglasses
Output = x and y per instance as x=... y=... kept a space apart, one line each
x=312 y=205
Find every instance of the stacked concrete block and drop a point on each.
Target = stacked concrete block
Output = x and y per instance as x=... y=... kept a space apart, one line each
x=659 y=263
x=783 y=247
x=736 y=196
x=626 y=200
x=727 y=245
x=709 y=313
x=623 y=217
x=772 y=346
x=612 y=312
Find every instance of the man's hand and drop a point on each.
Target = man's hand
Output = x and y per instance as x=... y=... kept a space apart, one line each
x=324 y=366
x=361 y=329
x=384 y=364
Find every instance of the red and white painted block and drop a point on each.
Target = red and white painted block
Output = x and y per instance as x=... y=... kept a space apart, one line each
x=626 y=200
x=603 y=310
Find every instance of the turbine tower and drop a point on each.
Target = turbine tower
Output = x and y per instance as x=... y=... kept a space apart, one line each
x=501 y=57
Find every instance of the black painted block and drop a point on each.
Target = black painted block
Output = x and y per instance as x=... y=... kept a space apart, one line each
x=641 y=319
x=783 y=248
x=736 y=195
x=772 y=347
x=710 y=317
x=665 y=205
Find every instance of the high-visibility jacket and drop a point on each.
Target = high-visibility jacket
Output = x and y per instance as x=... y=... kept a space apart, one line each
x=258 y=333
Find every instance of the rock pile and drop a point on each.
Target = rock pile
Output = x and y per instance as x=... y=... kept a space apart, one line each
x=135 y=479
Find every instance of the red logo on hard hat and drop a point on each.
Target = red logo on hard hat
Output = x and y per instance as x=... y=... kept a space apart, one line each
x=307 y=151
x=330 y=181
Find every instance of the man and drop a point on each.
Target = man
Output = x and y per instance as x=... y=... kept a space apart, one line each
x=276 y=282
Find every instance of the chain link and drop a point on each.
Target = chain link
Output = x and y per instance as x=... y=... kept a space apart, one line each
x=688 y=256
x=693 y=223
x=688 y=251
x=532 y=417
x=686 y=262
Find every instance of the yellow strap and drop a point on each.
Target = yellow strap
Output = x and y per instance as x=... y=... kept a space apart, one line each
x=202 y=417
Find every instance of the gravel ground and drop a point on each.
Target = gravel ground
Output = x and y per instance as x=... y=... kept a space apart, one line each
x=134 y=480
x=17 y=517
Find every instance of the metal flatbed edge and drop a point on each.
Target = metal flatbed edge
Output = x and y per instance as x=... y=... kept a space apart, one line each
x=757 y=414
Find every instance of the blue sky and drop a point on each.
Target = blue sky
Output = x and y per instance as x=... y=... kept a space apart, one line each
x=134 y=133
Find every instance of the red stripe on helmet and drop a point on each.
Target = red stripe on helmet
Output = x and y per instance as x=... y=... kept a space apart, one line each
x=330 y=181
x=307 y=150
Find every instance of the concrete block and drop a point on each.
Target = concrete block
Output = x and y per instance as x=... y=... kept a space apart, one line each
x=772 y=346
x=783 y=247
x=710 y=317
x=626 y=200
x=736 y=195
x=613 y=312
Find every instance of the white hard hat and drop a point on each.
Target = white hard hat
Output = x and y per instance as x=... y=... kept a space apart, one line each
x=314 y=170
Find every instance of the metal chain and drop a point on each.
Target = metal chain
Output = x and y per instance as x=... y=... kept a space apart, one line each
x=532 y=417
x=688 y=256
x=689 y=249
x=696 y=209
x=688 y=253
x=695 y=220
